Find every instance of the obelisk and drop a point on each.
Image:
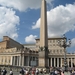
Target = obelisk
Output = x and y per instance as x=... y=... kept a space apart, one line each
x=43 y=49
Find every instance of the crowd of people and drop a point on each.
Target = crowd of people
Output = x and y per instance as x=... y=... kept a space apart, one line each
x=60 y=71
x=23 y=71
x=35 y=71
x=4 y=72
x=31 y=71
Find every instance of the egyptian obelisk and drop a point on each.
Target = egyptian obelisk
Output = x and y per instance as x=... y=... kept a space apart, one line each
x=43 y=49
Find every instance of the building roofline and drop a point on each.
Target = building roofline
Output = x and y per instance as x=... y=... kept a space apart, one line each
x=28 y=44
x=12 y=40
x=53 y=38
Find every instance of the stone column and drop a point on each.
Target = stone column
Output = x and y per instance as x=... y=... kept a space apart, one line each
x=19 y=60
x=7 y=60
x=3 y=60
x=71 y=63
x=61 y=62
x=54 y=62
x=0 y=59
x=68 y=61
x=57 y=62
x=14 y=60
x=48 y=62
x=51 y=62
x=74 y=61
x=23 y=60
x=11 y=60
x=28 y=60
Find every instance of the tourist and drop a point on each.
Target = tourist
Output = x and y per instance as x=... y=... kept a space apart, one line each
x=22 y=71
x=37 y=71
x=73 y=72
x=62 y=73
x=33 y=72
x=56 y=72
x=4 y=72
x=11 y=72
x=27 y=72
x=41 y=71
x=44 y=71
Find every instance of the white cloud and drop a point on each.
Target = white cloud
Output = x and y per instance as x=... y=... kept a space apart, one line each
x=60 y=20
x=37 y=24
x=30 y=39
x=73 y=42
x=8 y=23
x=71 y=49
x=22 y=5
x=9 y=20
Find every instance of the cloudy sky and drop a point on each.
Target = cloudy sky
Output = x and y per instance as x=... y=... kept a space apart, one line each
x=20 y=19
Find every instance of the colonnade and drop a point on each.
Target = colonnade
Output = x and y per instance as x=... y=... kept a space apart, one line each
x=31 y=60
x=59 y=62
x=24 y=60
x=19 y=60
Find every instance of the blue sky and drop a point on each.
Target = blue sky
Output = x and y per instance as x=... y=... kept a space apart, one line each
x=20 y=19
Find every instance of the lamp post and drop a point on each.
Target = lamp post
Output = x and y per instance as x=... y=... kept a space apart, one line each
x=64 y=43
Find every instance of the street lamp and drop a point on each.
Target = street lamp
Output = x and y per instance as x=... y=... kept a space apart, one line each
x=64 y=43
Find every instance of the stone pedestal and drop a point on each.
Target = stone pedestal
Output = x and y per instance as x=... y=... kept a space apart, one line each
x=43 y=57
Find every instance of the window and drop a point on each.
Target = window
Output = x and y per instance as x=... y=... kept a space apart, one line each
x=53 y=41
x=53 y=51
x=50 y=51
x=60 y=51
x=53 y=44
x=57 y=50
x=50 y=41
